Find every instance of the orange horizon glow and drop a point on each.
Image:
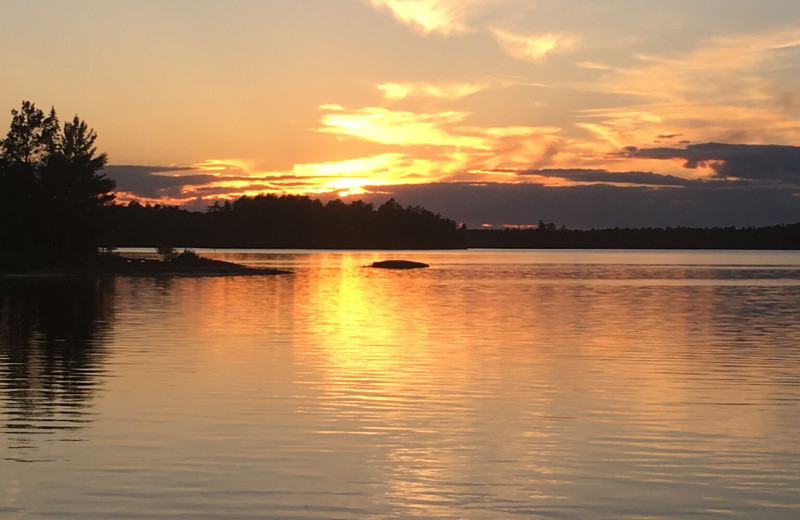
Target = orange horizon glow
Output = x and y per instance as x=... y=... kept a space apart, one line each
x=406 y=91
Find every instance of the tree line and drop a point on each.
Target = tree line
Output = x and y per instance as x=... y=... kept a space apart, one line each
x=286 y=221
x=271 y=221
x=548 y=236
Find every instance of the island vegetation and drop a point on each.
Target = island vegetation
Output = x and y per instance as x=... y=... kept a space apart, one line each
x=272 y=221
x=549 y=236
x=57 y=209
x=173 y=263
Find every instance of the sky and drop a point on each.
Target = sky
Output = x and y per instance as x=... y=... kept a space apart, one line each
x=582 y=113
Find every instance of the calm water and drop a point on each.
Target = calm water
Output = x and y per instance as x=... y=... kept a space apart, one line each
x=517 y=384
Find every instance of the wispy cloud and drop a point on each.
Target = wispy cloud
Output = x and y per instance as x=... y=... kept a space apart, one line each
x=397 y=91
x=719 y=69
x=430 y=16
x=726 y=89
x=446 y=141
x=374 y=164
x=396 y=127
x=533 y=47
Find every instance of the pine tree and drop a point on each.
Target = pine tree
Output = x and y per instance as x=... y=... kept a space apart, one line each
x=51 y=190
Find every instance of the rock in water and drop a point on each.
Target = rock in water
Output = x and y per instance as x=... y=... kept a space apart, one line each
x=399 y=264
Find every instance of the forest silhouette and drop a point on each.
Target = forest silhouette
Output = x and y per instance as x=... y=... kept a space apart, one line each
x=57 y=209
x=52 y=193
x=548 y=236
x=271 y=221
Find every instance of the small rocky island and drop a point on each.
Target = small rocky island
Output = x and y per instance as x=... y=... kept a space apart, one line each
x=187 y=263
x=399 y=264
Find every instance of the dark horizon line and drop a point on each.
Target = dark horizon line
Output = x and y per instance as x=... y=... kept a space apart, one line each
x=503 y=227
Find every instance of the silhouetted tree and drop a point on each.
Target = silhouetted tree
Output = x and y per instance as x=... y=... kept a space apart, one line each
x=20 y=153
x=73 y=191
x=27 y=141
x=52 y=191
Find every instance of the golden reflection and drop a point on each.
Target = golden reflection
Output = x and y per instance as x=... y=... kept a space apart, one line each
x=396 y=353
x=358 y=321
x=428 y=351
x=394 y=368
x=486 y=369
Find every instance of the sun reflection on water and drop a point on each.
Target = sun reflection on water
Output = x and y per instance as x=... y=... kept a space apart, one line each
x=485 y=386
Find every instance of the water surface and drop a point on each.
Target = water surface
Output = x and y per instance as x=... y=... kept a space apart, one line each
x=496 y=384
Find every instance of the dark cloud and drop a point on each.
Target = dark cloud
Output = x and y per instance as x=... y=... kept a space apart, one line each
x=216 y=190
x=151 y=182
x=762 y=163
x=599 y=206
x=668 y=136
x=583 y=175
x=145 y=181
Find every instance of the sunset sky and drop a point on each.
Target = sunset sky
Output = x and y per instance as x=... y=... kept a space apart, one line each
x=489 y=111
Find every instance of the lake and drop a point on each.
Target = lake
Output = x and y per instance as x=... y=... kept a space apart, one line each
x=496 y=384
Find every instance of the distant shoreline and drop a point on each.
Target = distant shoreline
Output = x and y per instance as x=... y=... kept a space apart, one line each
x=548 y=236
x=543 y=236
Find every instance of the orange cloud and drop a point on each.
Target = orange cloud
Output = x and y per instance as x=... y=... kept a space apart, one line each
x=440 y=142
x=219 y=166
x=533 y=47
x=724 y=90
x=446 y=91
x=396 y=127
x=430 y=16
x=374 y=164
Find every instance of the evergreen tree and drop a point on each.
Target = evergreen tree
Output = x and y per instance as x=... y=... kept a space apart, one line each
x=25 y=145
x=51 y=191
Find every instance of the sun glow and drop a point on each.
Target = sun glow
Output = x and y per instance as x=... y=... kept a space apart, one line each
x=349 y=186
x=361 y=165
x=394 y=127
